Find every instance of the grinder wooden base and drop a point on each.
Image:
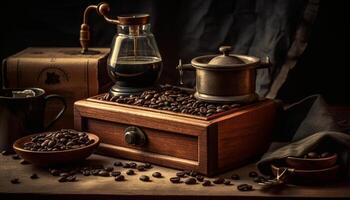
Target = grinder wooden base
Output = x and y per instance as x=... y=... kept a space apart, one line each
x=206 y=145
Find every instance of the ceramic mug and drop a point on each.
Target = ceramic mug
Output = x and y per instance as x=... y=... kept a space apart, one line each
x=21 y=116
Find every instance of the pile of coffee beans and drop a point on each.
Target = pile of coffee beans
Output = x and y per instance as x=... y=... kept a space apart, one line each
x=173 y=99
x=64 y=139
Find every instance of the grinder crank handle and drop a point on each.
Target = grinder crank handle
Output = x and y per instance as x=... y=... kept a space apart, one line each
x=101 y=9
x=182 y=67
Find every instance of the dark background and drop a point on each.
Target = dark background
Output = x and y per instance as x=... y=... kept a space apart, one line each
x=321 y=68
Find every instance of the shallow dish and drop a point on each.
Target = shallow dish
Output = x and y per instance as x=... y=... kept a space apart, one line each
x=45 y=158
x=311 y=163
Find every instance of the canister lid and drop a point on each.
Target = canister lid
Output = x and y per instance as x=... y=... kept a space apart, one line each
x=134 y=19
x=225 y=58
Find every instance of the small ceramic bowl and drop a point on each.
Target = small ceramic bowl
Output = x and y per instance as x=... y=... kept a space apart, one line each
x=311 y=163
x=319 y=176
x=46 y=158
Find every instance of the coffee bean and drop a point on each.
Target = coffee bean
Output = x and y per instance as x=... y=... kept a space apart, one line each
x=34 y=176
x=130 y=172
x=55 y=172
x=118 y=163
x=200 y=178
x=115 y=173
x=15 y=181
x=103 y=173
x=109 y=169
x=126 y=165
x=133 y=165
x=144 y=178
x=175 y=179
x=253 y=174
x=227 y=182
x=312 y=155
x=62 y=179
x=6 y=152
x=64 y=174
x=24 y=162
x=86 y=173
x=147 y=165
x=157 y=175
x=119 y=178
x=16 y=157
x=235 y=177
x=71 y=178
x=141 y=168
x=193 y=173
x=326 y=155
x=259 y=179
x=245 y=187
x=181 y=174
x=219 y=180
x=190 y=181
x=206 y=183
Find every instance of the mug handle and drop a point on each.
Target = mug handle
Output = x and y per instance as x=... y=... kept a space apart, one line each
x=60 y=113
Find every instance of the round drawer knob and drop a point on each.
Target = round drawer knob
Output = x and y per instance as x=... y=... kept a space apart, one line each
x=135 y=136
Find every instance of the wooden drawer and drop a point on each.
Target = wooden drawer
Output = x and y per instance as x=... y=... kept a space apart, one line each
x=208 y=146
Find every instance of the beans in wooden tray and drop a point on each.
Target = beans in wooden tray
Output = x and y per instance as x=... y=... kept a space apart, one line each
x=172 y=99
x=64 y=139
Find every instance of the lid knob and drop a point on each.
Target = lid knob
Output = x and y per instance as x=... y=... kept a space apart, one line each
x=225 y=59
x=225 y=50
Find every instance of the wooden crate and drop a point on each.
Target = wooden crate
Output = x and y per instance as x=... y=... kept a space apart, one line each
x=207 y=145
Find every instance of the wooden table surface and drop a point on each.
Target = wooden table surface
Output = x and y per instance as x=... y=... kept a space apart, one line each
x=94 y=187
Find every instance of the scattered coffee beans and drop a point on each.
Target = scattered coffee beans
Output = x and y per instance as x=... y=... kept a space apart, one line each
x=144 y=178
x=130 y=172
x=190 y=181
x=245 y=187
x=253 y=174
x=175 y=179
x=34 y=176
x=157 y=175
x=15 y=181
x=173 y=99
x=219 y=180
x=193 y=173
x=64 y=139
x=235 y=177
x=206 y=183
x=119 y=178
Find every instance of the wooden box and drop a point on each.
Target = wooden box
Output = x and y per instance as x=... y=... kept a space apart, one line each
x=207 y=145
x=61 y=71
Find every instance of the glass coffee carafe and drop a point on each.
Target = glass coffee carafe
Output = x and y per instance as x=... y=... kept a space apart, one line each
x=134 y=62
